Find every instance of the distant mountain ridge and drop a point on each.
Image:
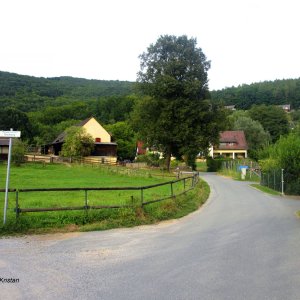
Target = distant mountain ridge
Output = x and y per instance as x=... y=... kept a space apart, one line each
x=30 y=93
x=285 y=91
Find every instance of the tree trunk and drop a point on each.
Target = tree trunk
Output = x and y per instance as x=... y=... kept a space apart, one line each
x=168 y=157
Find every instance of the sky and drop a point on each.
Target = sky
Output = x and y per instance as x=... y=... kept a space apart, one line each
x=246 y=40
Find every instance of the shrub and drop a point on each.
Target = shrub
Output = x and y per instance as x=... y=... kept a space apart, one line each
x=18 y=152
x=152 y=159
x=284 y=154
x=213 y=165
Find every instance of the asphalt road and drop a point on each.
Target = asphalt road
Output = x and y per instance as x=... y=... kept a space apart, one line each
x=242 y=244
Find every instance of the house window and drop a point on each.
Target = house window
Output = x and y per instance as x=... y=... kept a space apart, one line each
x=98 y=140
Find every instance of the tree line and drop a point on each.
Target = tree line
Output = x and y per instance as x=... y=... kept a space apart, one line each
x=276 y=92
x=28 y=93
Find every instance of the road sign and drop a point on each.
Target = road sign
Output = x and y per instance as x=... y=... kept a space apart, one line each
x=10 y=134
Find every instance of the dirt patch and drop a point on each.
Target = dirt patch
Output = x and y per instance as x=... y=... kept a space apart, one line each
x=55 y=236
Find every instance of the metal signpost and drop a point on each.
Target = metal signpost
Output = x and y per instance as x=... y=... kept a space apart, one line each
x=282 y=182
x=8 y=134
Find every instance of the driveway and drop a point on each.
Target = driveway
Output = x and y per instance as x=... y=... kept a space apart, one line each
x=242 y=244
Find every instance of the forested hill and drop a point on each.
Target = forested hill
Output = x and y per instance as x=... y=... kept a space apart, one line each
x=29 y=93
x=276 y=92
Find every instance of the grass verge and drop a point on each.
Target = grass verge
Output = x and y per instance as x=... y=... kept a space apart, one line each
x=34 y=176
x=150 y=214
x=265 y=189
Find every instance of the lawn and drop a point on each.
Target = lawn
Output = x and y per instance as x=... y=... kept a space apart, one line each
x=78 y=176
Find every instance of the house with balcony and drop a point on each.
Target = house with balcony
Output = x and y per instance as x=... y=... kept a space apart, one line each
x=232 y=144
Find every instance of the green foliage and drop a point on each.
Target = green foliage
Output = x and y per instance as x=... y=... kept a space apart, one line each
x=213 y=164
x=44 y=107
x=268 y=92
x=174 y=68
x=284 y=154
x=18 y=152
x=175 y=118
x=152 y=159
x=273 y=119
x=257 y=138
x=125 y=137
x=16 y=119
x=114 y=109
x=295 y=115
x=77 y=142
x=52 y=120
x=29 y=93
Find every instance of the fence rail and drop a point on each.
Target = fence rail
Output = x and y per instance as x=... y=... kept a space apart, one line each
x=91 y=160
x=188 y=184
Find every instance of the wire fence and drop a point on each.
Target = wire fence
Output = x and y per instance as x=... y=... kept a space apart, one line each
x=274 y=180
x=282 y=181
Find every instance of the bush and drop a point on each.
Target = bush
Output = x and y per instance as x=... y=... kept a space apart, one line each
x=152 y=159
x=213 y=165
x=18 y=152
x=284 y=154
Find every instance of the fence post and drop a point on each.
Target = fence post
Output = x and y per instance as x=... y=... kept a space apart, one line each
x=282 y=182
x=142 y=196
x=274 y=175
x=184 y=183
x=172 y=194
x=17 y=204
x=86 y=199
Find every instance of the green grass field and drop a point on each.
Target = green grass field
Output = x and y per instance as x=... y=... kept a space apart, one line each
x=75 y=176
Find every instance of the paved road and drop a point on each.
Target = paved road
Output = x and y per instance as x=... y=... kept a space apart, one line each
x=242 y=244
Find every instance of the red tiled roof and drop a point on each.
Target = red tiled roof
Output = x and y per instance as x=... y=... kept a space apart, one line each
x=233 y=140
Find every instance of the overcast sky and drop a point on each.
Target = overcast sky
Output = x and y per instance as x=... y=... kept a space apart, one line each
x=245 y=40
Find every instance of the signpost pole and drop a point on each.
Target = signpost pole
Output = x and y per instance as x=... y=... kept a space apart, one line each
x=7 y=179
x=282 y=182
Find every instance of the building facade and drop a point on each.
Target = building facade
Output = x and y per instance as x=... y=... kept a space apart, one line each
x=232 y=144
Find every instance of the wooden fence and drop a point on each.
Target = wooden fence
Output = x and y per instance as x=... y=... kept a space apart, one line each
x=91 y=160
x=188 y=184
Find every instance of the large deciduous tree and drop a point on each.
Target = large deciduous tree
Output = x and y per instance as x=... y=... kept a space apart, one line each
x=175 y=116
